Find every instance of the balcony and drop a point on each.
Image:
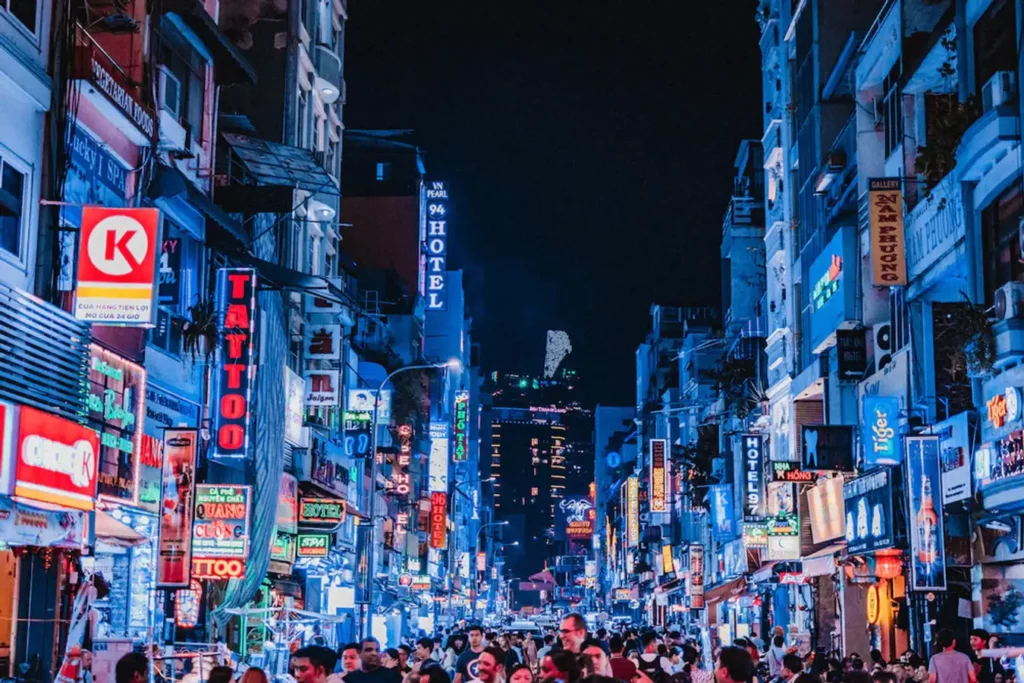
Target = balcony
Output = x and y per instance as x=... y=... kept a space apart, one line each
x=775 y=241
x=328 y=73
x=987 y=142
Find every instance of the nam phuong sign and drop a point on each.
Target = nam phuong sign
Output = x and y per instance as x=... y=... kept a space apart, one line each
x=174 y=546
x=118 y=250
x=221 y=525
x=437 y=246
x=461 y=426
x=658 y=475
x=235 y=367
x=56 y=459
x=888 y=256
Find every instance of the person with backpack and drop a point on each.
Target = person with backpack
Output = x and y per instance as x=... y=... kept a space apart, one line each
x=650 y=663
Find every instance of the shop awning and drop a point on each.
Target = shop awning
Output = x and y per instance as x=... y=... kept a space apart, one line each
x=278 y=165
x=170 y=182
x=116 y=533
x=822 y=562
x=764 y=573
x=230 y=66
x=727 y=590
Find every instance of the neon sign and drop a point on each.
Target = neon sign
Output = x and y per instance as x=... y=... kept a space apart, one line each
x=236 y=309
x=437 y=246
x=828 y=283
x=461 y=426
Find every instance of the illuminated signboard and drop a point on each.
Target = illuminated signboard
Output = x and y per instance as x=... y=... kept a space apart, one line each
x=869 y=511
x=117 y=390
x=437 y=246
x=174 y=545
x=753 y=477
x=401 y=481
x=420 y=584
x=827 y=447
x=282 y=547
x=322 y=388
x=888 y=257
x=56 y=459
x=880 y=431
x=658 y=474
x=928 y=554
x=828 y=284
x=235 y=367
x=755 y=535
x=632 y=511
x=438 y=464
x=117 y=256
x=695 y=586
x=312 y=545
x=832 y=301
x=220 y=528
x=217 y=568
x=325 y=511
x=461 y=426
x=789 y=471
x=574 y=518
x=438 y=519
x=667 y=566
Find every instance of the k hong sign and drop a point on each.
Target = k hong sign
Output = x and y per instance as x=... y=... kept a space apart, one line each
x=436 y=246
x=235 y=364
x=117 y=260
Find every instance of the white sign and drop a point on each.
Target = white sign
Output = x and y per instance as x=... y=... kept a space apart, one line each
x=439 y=464
x=322 y=388
x=294 y=402
x=955 y=457
x=322 y=342
x=361 y=401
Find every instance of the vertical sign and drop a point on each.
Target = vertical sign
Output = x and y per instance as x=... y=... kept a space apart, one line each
x=955 y=445
x=722 y=511
x=437 y=246
x=927 y=549
x=658 y=475
x=438 y=464
x=695 y=587
x=438 y=519
x=176 y=506
x=888 y=257
x=232 y=400
x=753 y=477
x=117 y=391
x=881 y=431
x=632 y=511
x=461 y=426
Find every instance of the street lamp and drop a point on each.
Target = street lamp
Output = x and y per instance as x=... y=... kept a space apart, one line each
x=472 y=585
x=453 y=364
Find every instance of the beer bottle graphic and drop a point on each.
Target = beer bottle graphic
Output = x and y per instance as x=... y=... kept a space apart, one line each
x=927 y=529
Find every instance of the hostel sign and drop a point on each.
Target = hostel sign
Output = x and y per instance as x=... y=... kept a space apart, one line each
x=437 y=246
x=235 y=367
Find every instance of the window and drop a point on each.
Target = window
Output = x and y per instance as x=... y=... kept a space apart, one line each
x=995 y=47
x=12 y=207
x=534 y=491
x=383 y=171
x=892 y=111
x=303 y=118
x=22 y=10
x=189 y=68
x=999 y=221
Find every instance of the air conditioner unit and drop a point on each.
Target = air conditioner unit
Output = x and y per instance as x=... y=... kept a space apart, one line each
x=881 y=335
x=1009 y=301
x=999 y=89
x=169 y=92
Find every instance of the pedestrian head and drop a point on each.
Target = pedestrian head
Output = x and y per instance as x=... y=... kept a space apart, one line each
x=350 y=657
x=86 y=660
x=311 y=664
x=369 y=653
x=778 y=641
x=490 y=664
x=549 y=640
x=573 y=631
x=220 y=674
x=979 y=639
x=599 y=658
x=857 y=677
x=560 y=666
x=254 y=674
x=476 y=637
x=132 y=668
x=884 y=676
x=391 y=658
x=807 y=678
x=791 y=666
x=520 y=673
x=432 y=674
x=616 y=645
x=649 y=641
x=734 y=665
x=602 y=633
x=424 y=648
x=947 y=639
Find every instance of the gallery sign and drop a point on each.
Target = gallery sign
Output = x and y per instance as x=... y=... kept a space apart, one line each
x=235 y=366
x=117 y=256
x=869 y=512
x=753 y=477
x=436 y=246
x=827 y=447
x=888 y=257
x=174 y=547
x=880 y=432
x=460 y=426
x=659 y=474
x=321 y=511
x=56 y=460
x=221 y=525
x=117 y=389
x=927 y=545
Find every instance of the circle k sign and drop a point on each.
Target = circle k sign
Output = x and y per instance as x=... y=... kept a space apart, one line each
x=117 y=256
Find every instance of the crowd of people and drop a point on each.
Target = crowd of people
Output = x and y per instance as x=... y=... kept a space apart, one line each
x=575 y=655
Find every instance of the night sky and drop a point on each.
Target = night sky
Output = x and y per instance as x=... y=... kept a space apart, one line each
x=589 y=146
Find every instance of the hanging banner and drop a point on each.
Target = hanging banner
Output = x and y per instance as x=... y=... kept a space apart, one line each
x=117 y=258
x=56 y=459
x=880 y=431
x=235 y=363
x=460 y=426
x=658 y=474
x=322 y=388
x=888 y=256
x=221 y=525
x=322 y=342
x=22 y=525
x=438 y=519
x=927 y=545
x=438 y=463
x=175 y=540
x=723 y=513
x=753 y=477
x=695 y=585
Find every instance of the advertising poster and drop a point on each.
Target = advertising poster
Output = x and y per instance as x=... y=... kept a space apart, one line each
x=826 y=510
x=888 y=257
x=221 y=525
x=828 y=448
x=753 y=477
x=658 y=474
x=927 y=544
x=695 y=586
x=175 y=541
x=723 y=511
x=869 y=511
x=362 y=400
x=288 y=504
x=880 y=431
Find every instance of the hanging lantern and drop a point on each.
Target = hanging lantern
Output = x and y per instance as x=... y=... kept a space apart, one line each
x=888 y=566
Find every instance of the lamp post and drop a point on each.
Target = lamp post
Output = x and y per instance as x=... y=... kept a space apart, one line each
x=454 y=364
x=451 y=552
x=472 y=584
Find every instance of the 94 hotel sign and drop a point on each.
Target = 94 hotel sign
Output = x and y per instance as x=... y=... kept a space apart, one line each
x=117 y=254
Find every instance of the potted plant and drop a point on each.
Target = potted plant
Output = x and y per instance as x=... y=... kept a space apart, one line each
x=199 y=332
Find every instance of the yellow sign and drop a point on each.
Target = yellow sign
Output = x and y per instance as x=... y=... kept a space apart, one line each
x=667 y=566
x=632 y=511
x=873 y=605
x=888 y=251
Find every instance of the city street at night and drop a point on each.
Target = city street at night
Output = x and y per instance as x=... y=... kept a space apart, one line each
x=574 y=341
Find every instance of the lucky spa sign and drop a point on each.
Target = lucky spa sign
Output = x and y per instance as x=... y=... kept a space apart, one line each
x=235 y=364
x=56 y=459
x=220 y=528
x=118 y=251
x=117 y=390
x=436 y=246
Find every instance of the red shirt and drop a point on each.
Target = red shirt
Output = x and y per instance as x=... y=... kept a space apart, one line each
x=622 y=668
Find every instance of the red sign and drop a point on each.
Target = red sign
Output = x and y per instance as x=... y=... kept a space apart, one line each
x=218 y=568
x=56 y=460
x=438 y=519
x=117 y=255
x=176 y=508
x=236 y=308
x=405 y=580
